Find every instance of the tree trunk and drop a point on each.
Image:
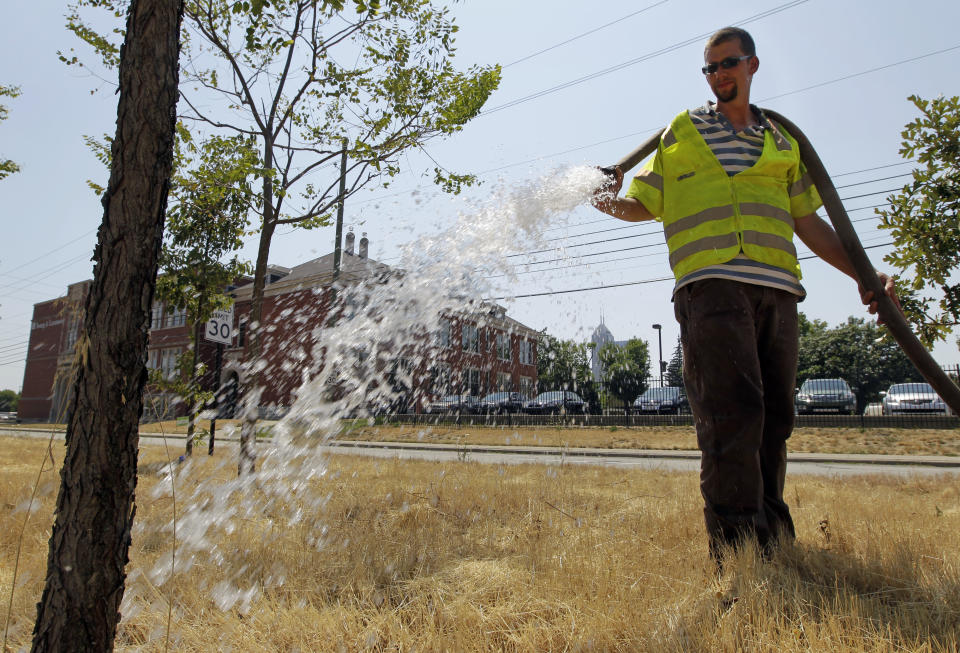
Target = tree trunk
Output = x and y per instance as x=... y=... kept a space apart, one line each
x=194 y=381
x=89 y=545
x=252 y=391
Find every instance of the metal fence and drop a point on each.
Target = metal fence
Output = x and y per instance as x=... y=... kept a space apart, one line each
x=904 y=406
x=912 y=421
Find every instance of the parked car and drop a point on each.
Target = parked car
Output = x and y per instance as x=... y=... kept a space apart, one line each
x=668 y=399
x=9 y=418
x=825 y=396
x=555 y=402
x=503 y=402
x=453 y=404
x=912 y=398
x=873 y=409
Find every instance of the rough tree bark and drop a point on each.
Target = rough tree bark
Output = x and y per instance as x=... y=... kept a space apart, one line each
x=89 y=546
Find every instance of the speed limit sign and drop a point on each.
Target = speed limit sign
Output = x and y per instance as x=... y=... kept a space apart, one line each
x=220 y=326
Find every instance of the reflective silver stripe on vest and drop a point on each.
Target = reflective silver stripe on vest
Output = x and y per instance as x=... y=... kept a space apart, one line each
x=800 y=185
x=703 y=245
x=766 y=211
x=770 y=241
x=650 y=178
x=668 y=138
x=697 y=219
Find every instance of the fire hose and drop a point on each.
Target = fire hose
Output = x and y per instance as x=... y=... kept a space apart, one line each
x=866 y=274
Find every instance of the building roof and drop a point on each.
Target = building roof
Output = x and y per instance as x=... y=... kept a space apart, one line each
x=319 y=271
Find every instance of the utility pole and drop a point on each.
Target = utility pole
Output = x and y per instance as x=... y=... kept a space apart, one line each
x=659 y=329
x=337 y=247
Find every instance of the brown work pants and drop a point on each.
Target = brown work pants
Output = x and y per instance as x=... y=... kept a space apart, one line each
x=739 y=365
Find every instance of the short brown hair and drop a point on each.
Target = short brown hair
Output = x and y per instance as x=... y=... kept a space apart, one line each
x=730 y=33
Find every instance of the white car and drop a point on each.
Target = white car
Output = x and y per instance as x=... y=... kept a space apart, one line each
x=903 y=398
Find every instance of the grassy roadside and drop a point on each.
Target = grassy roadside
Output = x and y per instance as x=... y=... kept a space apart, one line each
x=937 y=442
x=882 y=441
x=427 y=556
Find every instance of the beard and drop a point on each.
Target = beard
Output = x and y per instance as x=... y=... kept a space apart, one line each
x=727 y=96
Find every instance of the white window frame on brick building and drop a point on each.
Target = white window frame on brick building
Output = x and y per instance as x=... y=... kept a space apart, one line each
x=440 y=377
x=168 y=362
x=504 y=350
x=156 y=316
x=444 y=333
x=470 y=338
x=473 y=381
x=175 y=317
x=526 y=352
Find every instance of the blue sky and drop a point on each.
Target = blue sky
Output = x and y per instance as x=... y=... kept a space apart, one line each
x=841 y=71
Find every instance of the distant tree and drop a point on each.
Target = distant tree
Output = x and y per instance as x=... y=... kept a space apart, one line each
x=924 y=218
x=857 y=350
x=90 y=541
x=7 y=167
x=675 y=366
x=9 y=400
x=211 y=195
x=625 y=369
x=562 y=364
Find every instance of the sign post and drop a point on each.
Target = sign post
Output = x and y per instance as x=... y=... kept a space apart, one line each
x=219 y=329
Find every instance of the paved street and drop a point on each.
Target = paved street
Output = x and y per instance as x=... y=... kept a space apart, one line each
x=800 y=463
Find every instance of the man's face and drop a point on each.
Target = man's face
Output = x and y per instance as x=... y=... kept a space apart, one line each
x=728 y=83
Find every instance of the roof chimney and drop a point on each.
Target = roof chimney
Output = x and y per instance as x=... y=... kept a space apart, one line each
x=364 y=245
x=349 y=244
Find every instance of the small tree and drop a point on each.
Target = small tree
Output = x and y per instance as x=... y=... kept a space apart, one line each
x=9 y=400
x=675 y=366
x=212 y=195
x=924 y=218
x=7 y=167
x=626 y=369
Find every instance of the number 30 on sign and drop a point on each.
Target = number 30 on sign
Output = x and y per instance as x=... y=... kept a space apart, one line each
x=220 y=326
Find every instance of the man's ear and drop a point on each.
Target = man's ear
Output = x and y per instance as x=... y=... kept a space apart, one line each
x=754 y=65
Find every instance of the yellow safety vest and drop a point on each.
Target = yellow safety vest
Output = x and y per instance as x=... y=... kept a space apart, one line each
x=709 y=216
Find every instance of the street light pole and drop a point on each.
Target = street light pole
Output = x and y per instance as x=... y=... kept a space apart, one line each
x=659 y=329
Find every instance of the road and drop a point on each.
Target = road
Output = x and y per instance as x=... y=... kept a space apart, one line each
x=818 y=464
x=800 y=463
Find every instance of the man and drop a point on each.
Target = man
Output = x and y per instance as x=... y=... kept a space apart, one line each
x=731 y=192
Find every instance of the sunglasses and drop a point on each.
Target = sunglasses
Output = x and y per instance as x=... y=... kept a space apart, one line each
x=726 y=64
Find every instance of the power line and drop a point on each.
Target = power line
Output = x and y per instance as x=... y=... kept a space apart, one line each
x=19 y=345
x=670 y=48
x=587 y=33
x=620 y=285
x=863 y=72
x=646 y=131
x=55 y=249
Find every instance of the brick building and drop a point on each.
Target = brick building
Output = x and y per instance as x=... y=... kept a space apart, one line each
x=477 y=350
x=54 y=331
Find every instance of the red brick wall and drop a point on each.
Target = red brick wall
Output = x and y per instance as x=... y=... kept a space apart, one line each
x=47 y=332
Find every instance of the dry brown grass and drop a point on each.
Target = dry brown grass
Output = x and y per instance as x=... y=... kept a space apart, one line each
x=466 y=557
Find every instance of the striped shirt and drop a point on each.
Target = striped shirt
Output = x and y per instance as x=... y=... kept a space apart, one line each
x=736 y=151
